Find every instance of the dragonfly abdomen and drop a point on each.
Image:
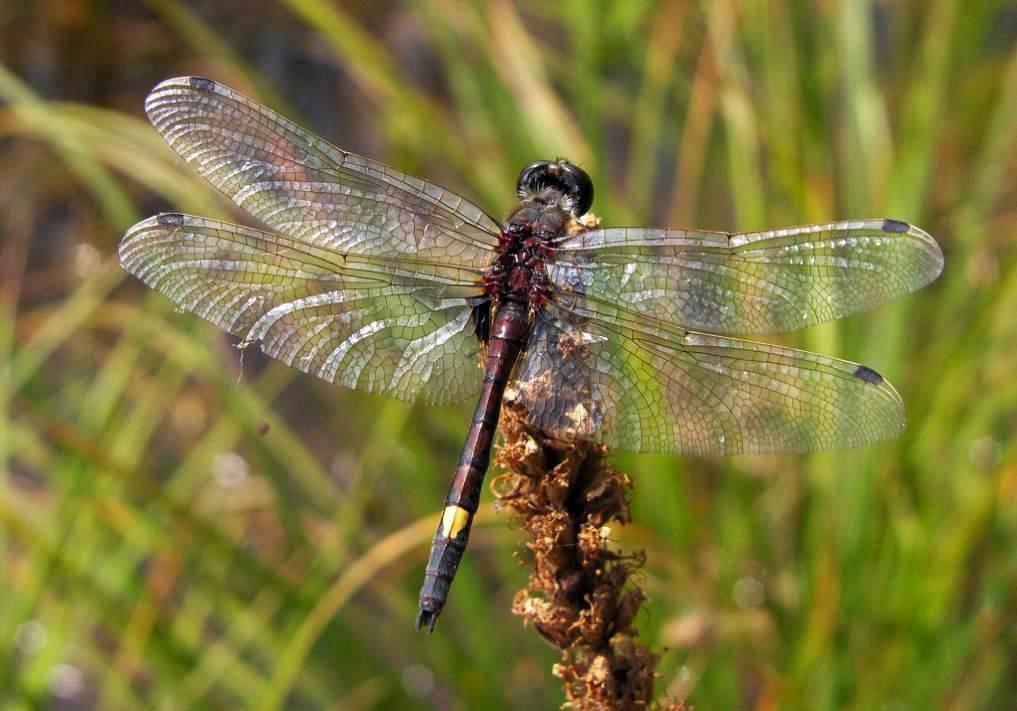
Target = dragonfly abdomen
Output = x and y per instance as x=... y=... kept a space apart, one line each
x=508 y=336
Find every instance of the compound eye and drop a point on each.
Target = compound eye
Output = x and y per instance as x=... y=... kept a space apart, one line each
x=581 y=187
x=569 y=179
x=532 y=175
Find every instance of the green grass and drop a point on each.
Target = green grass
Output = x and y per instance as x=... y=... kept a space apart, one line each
x=158 y=548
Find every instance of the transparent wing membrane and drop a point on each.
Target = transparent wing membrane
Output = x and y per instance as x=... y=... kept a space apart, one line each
x=748 y=283
x=633 y=385
x=302 y=186
x=353 y=321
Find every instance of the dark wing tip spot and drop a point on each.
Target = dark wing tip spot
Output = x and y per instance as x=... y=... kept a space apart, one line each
x=868 y=375
x=202 y=84
x=895 y=226
x=173 y=219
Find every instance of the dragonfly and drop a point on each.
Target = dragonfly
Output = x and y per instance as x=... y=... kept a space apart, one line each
x=380 y=281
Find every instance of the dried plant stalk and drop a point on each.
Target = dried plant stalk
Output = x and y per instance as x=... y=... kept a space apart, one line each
x=578 y=596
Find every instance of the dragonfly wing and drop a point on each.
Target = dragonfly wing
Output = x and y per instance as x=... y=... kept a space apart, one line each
x=634 y=385
x=357 y=322
x=304 y=187
x=747 y=283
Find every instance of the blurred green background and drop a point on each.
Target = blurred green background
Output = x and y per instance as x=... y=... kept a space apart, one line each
x=182 y=529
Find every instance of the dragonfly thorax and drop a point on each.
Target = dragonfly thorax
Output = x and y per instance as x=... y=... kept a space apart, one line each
x=525 y=245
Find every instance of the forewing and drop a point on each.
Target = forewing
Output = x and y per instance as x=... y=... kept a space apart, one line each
x=356 y=322
x=649 y=388
x=306 y=188
x=747 y=283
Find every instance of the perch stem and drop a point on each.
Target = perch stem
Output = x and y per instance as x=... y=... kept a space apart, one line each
x=579 y=596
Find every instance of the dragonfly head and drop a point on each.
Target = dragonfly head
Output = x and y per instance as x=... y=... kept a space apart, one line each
x=557 y=181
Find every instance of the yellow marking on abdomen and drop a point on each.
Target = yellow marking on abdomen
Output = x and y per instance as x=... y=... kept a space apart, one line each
x=453 y=520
